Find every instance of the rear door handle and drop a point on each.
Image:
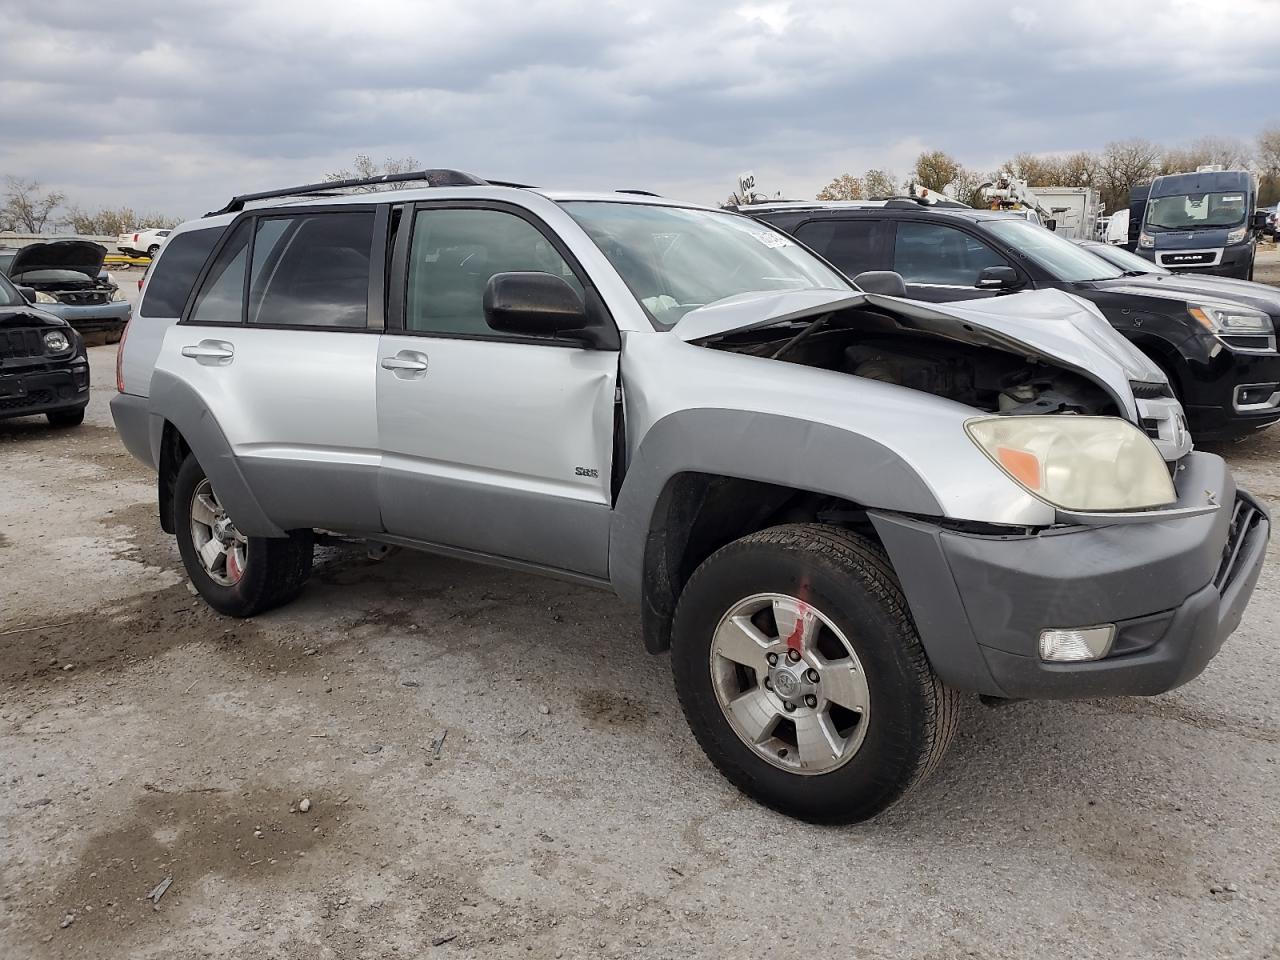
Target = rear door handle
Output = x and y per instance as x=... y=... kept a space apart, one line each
x=407 y=364
x=210 y=352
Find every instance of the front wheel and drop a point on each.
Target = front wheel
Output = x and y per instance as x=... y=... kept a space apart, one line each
x=803 y=678
x=237 y=575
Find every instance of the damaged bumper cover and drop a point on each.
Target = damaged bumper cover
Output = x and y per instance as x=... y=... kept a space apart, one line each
x=1175 y=589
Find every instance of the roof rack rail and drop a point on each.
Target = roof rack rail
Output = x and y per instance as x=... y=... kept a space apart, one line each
x=433 y=178
x=640 y=193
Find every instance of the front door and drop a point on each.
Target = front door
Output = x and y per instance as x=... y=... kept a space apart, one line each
x=491 y=443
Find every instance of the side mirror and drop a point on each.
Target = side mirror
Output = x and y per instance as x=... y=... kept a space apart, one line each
x=998 y=278
x=1051 y=224
x=28 y=292
x=538 y=305
x=881 y=281
x=1259 y=220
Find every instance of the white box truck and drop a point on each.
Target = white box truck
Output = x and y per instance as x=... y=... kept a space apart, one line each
x=1075 y=209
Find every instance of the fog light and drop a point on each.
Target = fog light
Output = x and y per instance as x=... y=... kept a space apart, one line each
x=1076 y=644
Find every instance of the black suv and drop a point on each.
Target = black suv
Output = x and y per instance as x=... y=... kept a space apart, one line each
x=43 y=365
x=1219 y=351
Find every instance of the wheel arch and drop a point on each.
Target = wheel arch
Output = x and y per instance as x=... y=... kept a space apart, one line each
x=703 y=478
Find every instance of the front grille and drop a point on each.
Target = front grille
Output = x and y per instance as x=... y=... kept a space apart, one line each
x=21 y=343
x=1151 y=427
x=83 y=298
x=1199 y=258
x=35 y=398
x=1244 y=518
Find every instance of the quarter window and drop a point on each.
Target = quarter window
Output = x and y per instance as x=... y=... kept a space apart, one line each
x=170 y=281
x=312 y=270
x=849 y=244
x=454 y=254
x=938 y=254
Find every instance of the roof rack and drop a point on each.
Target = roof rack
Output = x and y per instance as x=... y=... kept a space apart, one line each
x=433 y=178
x=640 y=193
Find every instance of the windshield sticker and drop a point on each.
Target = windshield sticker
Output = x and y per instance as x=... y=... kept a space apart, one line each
x=1236 y=199
x=770 y=239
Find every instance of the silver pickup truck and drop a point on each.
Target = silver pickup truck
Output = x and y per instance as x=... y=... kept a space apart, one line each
x=839 y=509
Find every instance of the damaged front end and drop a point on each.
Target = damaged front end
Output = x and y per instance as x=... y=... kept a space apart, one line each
x=1028 y=354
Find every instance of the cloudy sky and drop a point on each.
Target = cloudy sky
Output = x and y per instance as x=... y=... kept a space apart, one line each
x=175 y=106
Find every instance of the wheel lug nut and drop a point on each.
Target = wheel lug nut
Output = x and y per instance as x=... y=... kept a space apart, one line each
x=813 y=676
x=789 y=705
x=768 y=684
x=773 y=659
x=793 y=655
x=810 y=700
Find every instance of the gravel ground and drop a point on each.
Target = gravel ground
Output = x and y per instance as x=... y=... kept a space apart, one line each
x=567 y=812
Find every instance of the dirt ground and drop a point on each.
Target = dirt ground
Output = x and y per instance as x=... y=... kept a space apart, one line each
x=494 y=768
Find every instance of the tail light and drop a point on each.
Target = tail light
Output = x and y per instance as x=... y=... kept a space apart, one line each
x=120 y=354
x=135 y=238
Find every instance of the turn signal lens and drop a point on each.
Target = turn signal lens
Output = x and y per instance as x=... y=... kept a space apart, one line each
x=1021 y=465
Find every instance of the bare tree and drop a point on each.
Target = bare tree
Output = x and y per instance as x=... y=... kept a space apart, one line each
x=363 y=168
x=1267 y=152
x=1229 y=152
x=27 y=207
x=879 y=183
x=1036 y=170
x=936 y=170
x=109 y=222
x=1080 y=169
x=844 y=187
x=1124 y=163
x=967 y=187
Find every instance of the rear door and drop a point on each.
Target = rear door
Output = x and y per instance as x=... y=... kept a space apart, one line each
x=281 y=344
x=491 y=443
x=853 y=245
x=941 y=263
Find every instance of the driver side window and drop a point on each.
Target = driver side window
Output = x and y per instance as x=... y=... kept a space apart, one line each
x=934 y=253
x=454 y=253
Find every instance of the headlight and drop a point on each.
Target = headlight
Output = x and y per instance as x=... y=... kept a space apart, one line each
x=42 y=297
x=56 y=341
x=1228 y=318
x=117 y=295
x=1077 y=463
x=1237 y=236
x=1146 y=241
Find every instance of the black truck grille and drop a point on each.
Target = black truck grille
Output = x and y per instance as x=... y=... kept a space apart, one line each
x=1244 y=518
x=1197 y=259
x=84 y=298
x=21 y=343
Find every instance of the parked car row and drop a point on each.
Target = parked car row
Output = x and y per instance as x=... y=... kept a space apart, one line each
x=840 y=503
x=66 y=278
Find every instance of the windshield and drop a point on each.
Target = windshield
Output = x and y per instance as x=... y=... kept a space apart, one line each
x=1062 y=258
x=1196 y=211
x=1126 y=261
x=9 y=297
x=677 y=259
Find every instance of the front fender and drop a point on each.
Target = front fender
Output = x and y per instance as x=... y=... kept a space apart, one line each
x=185 y=409
x=768 y=448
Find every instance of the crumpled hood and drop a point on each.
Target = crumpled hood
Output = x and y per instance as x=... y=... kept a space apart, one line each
x=1044 y=324
x=1192 y=287
x=82 y=256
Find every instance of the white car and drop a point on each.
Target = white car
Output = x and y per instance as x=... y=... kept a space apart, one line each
x=142 y=243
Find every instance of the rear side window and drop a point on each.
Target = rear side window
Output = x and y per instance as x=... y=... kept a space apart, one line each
x=849 y=244
x=312 y=270
x=169 y=283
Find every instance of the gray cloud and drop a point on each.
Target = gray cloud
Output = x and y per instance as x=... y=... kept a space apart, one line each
x=179 y=108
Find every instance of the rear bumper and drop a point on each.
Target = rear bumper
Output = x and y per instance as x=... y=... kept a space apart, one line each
x=46 y=391
x=1174 y=589
x=132 y=416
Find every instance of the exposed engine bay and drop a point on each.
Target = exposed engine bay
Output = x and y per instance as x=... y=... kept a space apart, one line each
x=872 y=345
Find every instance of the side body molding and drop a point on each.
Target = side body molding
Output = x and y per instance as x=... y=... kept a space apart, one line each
x=185 y=409
x=764 y=447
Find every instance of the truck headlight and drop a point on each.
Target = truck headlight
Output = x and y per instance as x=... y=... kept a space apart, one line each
x=117 y=295
x=56 y=341
x=42 y=297
x=1077 y=463
x=1238 y=235
x=1229 y=318
x=1146 y=241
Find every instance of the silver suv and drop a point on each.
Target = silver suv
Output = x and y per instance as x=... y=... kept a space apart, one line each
x=839 y=509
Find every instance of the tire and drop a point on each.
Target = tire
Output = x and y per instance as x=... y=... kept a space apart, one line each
x=66 y=418
x=266 y=572
x=153 y=250
x=844 y=579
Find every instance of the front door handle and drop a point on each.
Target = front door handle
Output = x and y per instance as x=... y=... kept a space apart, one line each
x=210 y=352
x=407 y=364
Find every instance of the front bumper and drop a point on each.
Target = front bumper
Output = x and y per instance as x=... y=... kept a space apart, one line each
x=100 y=318
x=1211 y=393
x=44 y=389
x=1234 y=261
x=1175 y=590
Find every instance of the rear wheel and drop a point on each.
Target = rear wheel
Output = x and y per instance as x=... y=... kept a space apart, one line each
x=236 y=574
x=802 y=675
x=66 y=418
x=153 y=250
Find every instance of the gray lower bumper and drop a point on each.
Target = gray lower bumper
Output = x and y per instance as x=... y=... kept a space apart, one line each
x=132 y=416
x=1175 y=590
